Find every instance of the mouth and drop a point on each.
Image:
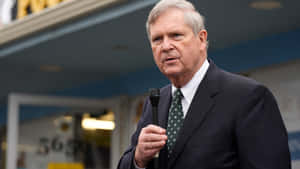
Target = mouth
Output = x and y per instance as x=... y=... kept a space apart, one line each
x=170 y=59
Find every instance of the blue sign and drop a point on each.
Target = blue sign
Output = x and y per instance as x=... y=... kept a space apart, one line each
x=294 y=144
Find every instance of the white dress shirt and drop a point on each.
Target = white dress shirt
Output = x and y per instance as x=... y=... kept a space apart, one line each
x=189 y=90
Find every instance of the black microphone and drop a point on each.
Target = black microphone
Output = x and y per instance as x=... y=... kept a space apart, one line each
x=154 y=100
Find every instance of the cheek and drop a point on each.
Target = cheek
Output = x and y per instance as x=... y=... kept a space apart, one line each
x=156 y=55
x=192 y=51
x=156 y=60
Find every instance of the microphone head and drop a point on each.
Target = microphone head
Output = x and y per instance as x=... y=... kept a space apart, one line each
x=154 y=96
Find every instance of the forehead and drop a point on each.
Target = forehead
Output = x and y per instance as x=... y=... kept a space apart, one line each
x=170 y=13
x=170 y=19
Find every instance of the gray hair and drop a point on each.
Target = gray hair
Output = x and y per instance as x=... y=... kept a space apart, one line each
x=191 y=16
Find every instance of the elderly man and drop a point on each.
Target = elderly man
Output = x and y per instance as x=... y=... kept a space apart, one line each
x=209 y=118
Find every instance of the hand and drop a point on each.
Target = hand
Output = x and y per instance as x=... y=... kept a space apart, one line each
x=152 y=138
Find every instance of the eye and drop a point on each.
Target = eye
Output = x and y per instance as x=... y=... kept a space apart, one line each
x=177 y=35
x=156 y=39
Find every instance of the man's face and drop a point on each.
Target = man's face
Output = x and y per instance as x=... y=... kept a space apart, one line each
x=177 y=51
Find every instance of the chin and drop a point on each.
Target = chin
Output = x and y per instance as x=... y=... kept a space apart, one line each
x=172 y=73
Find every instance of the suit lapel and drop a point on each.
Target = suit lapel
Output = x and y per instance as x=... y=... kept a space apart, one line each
x=201 y=104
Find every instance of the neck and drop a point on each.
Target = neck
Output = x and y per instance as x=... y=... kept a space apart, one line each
x=182 y=79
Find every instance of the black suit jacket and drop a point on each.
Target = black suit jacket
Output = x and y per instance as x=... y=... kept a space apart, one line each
x=232 y=123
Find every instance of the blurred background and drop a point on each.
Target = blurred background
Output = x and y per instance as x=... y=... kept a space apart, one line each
x=74 y=73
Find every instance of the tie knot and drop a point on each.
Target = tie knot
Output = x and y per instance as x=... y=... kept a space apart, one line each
x=178 y=95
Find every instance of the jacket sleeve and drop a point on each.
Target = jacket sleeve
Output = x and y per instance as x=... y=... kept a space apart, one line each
x=261 y=136
x=126 y=161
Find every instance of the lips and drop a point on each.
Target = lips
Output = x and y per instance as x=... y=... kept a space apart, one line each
x=170 y=59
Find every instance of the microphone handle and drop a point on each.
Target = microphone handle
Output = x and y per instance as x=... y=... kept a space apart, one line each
x=155 y=161
x=155 y=122
x=154 y=99
x=155 y=115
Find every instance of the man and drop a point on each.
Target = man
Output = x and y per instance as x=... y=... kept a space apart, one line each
x=209 y=118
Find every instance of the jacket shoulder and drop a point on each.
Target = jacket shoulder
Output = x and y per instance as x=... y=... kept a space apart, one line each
x=238 y=85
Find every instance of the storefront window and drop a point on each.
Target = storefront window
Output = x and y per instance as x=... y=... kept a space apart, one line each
x=61 y=140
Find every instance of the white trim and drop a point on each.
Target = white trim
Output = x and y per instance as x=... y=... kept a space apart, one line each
x=64 y=11
x=12 y=132
x=15 y=100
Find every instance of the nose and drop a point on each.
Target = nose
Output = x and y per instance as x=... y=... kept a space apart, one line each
x=166 y=44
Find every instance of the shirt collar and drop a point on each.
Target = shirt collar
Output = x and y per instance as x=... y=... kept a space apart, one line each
x=190 y=88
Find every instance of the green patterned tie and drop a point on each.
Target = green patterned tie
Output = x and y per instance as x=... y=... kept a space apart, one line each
x=175 y=120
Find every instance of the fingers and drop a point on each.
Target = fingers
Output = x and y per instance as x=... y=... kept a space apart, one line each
x=151 y=134
x=153 y=145
x=151 y=140
x=154 y=129
x=150 y=137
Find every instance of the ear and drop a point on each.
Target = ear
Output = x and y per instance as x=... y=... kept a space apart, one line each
x=202 y=35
